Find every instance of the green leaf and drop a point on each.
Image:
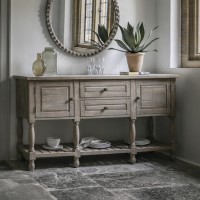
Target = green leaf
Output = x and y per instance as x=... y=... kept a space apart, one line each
x=127 y=38
x=150 y=35
x=96 y=44
x=122 y=45
x=151 y=50
x=103 y=33
x=129 y=28
x=145 y=46
x=155 y=28
x=138 y=27
x=136 y=39
x=142 y=31
x=117 y=50
x=98 y=37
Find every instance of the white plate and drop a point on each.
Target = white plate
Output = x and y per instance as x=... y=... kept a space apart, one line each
x=142 y=142
x=139 y=142
x=100 y=146
x=59 y=147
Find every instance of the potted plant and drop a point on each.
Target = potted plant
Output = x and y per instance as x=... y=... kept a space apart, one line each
x=134 y=45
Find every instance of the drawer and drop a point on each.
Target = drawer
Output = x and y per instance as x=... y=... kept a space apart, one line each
x=153 y=97
x=104 y=89
x=98 y=108
x=54 y=99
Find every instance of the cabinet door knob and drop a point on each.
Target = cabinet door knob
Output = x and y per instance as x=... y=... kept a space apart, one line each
x=70 y=99
x=105 y=108
x=104 y=90
x=137 y=98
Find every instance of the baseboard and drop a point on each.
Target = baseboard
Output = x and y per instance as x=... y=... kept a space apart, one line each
x=187 y=161
x=183 y=160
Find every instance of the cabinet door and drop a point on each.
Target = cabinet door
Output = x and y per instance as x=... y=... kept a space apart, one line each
x=153 y=98
x=54 y=99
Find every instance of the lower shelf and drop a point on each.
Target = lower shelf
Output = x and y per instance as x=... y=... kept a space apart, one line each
x=154 y=146
x=40 y=152
x=117 y=147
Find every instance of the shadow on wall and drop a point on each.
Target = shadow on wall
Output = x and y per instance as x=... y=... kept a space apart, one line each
x=105 y=129
x=4 y=119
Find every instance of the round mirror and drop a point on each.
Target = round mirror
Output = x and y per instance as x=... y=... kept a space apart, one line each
x=82 y=27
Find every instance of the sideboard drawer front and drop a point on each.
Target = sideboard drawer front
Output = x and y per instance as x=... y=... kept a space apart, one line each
x=54 y=100
x=99 y=89
x=153 y=97
x=98 y=108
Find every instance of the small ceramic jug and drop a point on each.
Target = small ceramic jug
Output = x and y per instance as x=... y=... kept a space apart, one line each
x=39 y=66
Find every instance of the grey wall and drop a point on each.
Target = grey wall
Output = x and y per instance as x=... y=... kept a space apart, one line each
x=4 y=80
x=188 y=85
x=29 y=36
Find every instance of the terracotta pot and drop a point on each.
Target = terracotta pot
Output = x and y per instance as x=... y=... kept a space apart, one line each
x=135 y=61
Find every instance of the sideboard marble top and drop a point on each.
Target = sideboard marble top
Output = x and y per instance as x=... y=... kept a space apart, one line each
x=97 y=77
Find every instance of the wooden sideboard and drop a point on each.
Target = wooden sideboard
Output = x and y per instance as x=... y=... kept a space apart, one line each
x=86 y=97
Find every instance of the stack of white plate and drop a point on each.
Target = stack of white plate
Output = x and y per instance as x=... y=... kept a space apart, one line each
x=100 y=144
x=59 y=147
x=142 y=142
x=138 y=142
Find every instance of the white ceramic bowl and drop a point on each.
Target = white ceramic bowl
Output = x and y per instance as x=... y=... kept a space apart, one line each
x=53 y=142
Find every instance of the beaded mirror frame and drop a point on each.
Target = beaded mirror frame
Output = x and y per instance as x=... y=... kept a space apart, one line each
x=56 y=40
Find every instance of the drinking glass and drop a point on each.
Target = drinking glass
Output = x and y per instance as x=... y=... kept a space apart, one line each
x=91 y=65
x=100 y=66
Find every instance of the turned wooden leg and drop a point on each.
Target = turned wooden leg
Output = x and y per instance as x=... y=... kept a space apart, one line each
x=150 y=127
x=132 y=141
x=32 y=165
x=172 y=134
x=31 y=147
x=19 y=132
x=76 y=135
x=19 y=135
x=76 y=162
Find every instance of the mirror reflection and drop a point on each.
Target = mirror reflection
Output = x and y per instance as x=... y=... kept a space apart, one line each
x=82 y=25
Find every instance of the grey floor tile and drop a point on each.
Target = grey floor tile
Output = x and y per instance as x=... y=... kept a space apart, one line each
x=110 y=177
x=187 y=192
x=136 y=179
x=10 y=190
x=63 y=180
x=114 y=168
x=14 y=175
x=89 y=193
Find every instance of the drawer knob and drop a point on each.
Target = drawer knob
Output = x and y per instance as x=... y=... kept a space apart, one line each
x=104 y=109
x=104 y=90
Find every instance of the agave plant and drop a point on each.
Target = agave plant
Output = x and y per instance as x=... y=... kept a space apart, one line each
x=133 y=39
x=102 y=36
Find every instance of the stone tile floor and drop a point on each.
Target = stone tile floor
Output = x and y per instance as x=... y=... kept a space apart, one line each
x=153 y=177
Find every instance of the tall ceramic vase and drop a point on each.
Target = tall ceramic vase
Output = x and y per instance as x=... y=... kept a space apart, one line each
x=49 y=56
x=135 y=61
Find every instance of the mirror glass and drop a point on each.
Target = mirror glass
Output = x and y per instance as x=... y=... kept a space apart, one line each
x=82 y=27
